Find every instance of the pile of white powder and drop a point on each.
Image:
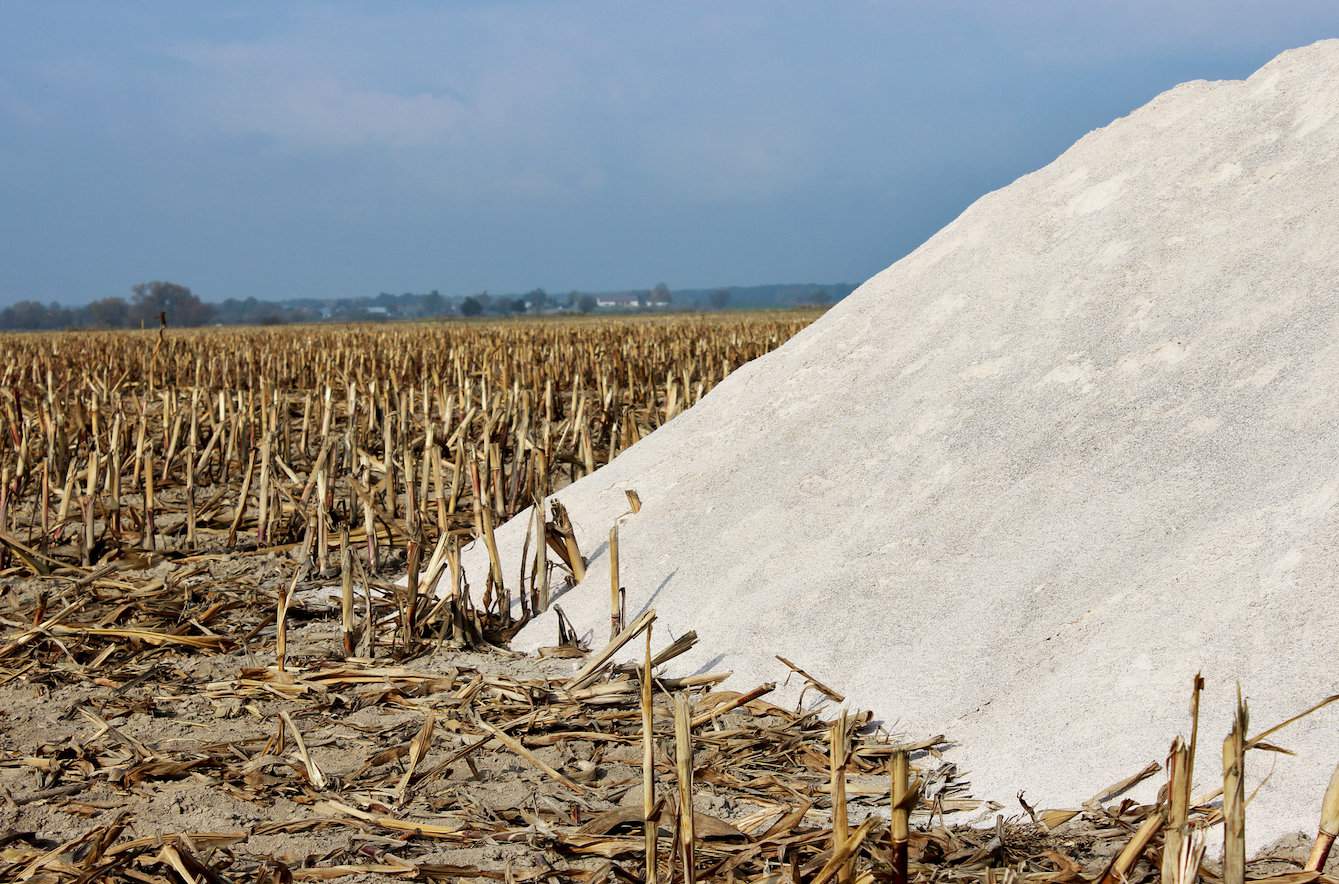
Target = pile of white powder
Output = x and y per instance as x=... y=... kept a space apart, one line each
x=1024 y=483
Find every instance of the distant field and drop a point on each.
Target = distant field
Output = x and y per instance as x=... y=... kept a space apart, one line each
x=238 y=438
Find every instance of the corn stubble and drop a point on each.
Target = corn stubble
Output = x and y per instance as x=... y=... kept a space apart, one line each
x=125 y=447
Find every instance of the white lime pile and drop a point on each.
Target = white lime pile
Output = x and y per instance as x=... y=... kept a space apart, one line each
x=1024 y=483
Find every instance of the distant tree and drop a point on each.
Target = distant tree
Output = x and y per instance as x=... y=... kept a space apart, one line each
x=176 y=301
x=643 y=298
x=719 y=298
x=538 y=299
x=587 y=303
x=433 y=304
x=108 y=313
x=572 y=298
x=660 y=295
x=35 y=316
x=518 y=305
x=822 y=299
x=25 y=315
x=471 y=307
x=60 y=317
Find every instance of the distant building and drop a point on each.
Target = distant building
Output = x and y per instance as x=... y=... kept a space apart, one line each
x=633 y=301
x=617 y=302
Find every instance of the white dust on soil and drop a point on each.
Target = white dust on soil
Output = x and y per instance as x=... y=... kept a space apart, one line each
x=1027 y=481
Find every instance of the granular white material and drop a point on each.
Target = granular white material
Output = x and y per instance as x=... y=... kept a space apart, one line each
x=1024 y=483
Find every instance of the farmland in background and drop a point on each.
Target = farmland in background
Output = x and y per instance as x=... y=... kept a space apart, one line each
x=170 y=443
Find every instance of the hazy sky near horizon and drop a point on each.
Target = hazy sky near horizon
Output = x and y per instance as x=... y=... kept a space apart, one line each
x=338 y=149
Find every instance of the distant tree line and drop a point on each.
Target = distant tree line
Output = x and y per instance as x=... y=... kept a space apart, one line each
x=148 y=302
x=182 y=308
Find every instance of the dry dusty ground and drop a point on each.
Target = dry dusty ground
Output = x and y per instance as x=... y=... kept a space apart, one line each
x=124 y=758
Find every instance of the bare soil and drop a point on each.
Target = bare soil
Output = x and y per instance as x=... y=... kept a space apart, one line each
x=125 y=760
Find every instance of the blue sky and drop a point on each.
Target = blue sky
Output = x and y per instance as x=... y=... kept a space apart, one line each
x=337 y=149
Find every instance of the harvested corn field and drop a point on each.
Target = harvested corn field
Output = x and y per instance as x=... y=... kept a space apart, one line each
x=187 y=699
x=204 y=441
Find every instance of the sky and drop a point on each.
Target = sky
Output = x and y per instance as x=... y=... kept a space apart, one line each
x=336 y=149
